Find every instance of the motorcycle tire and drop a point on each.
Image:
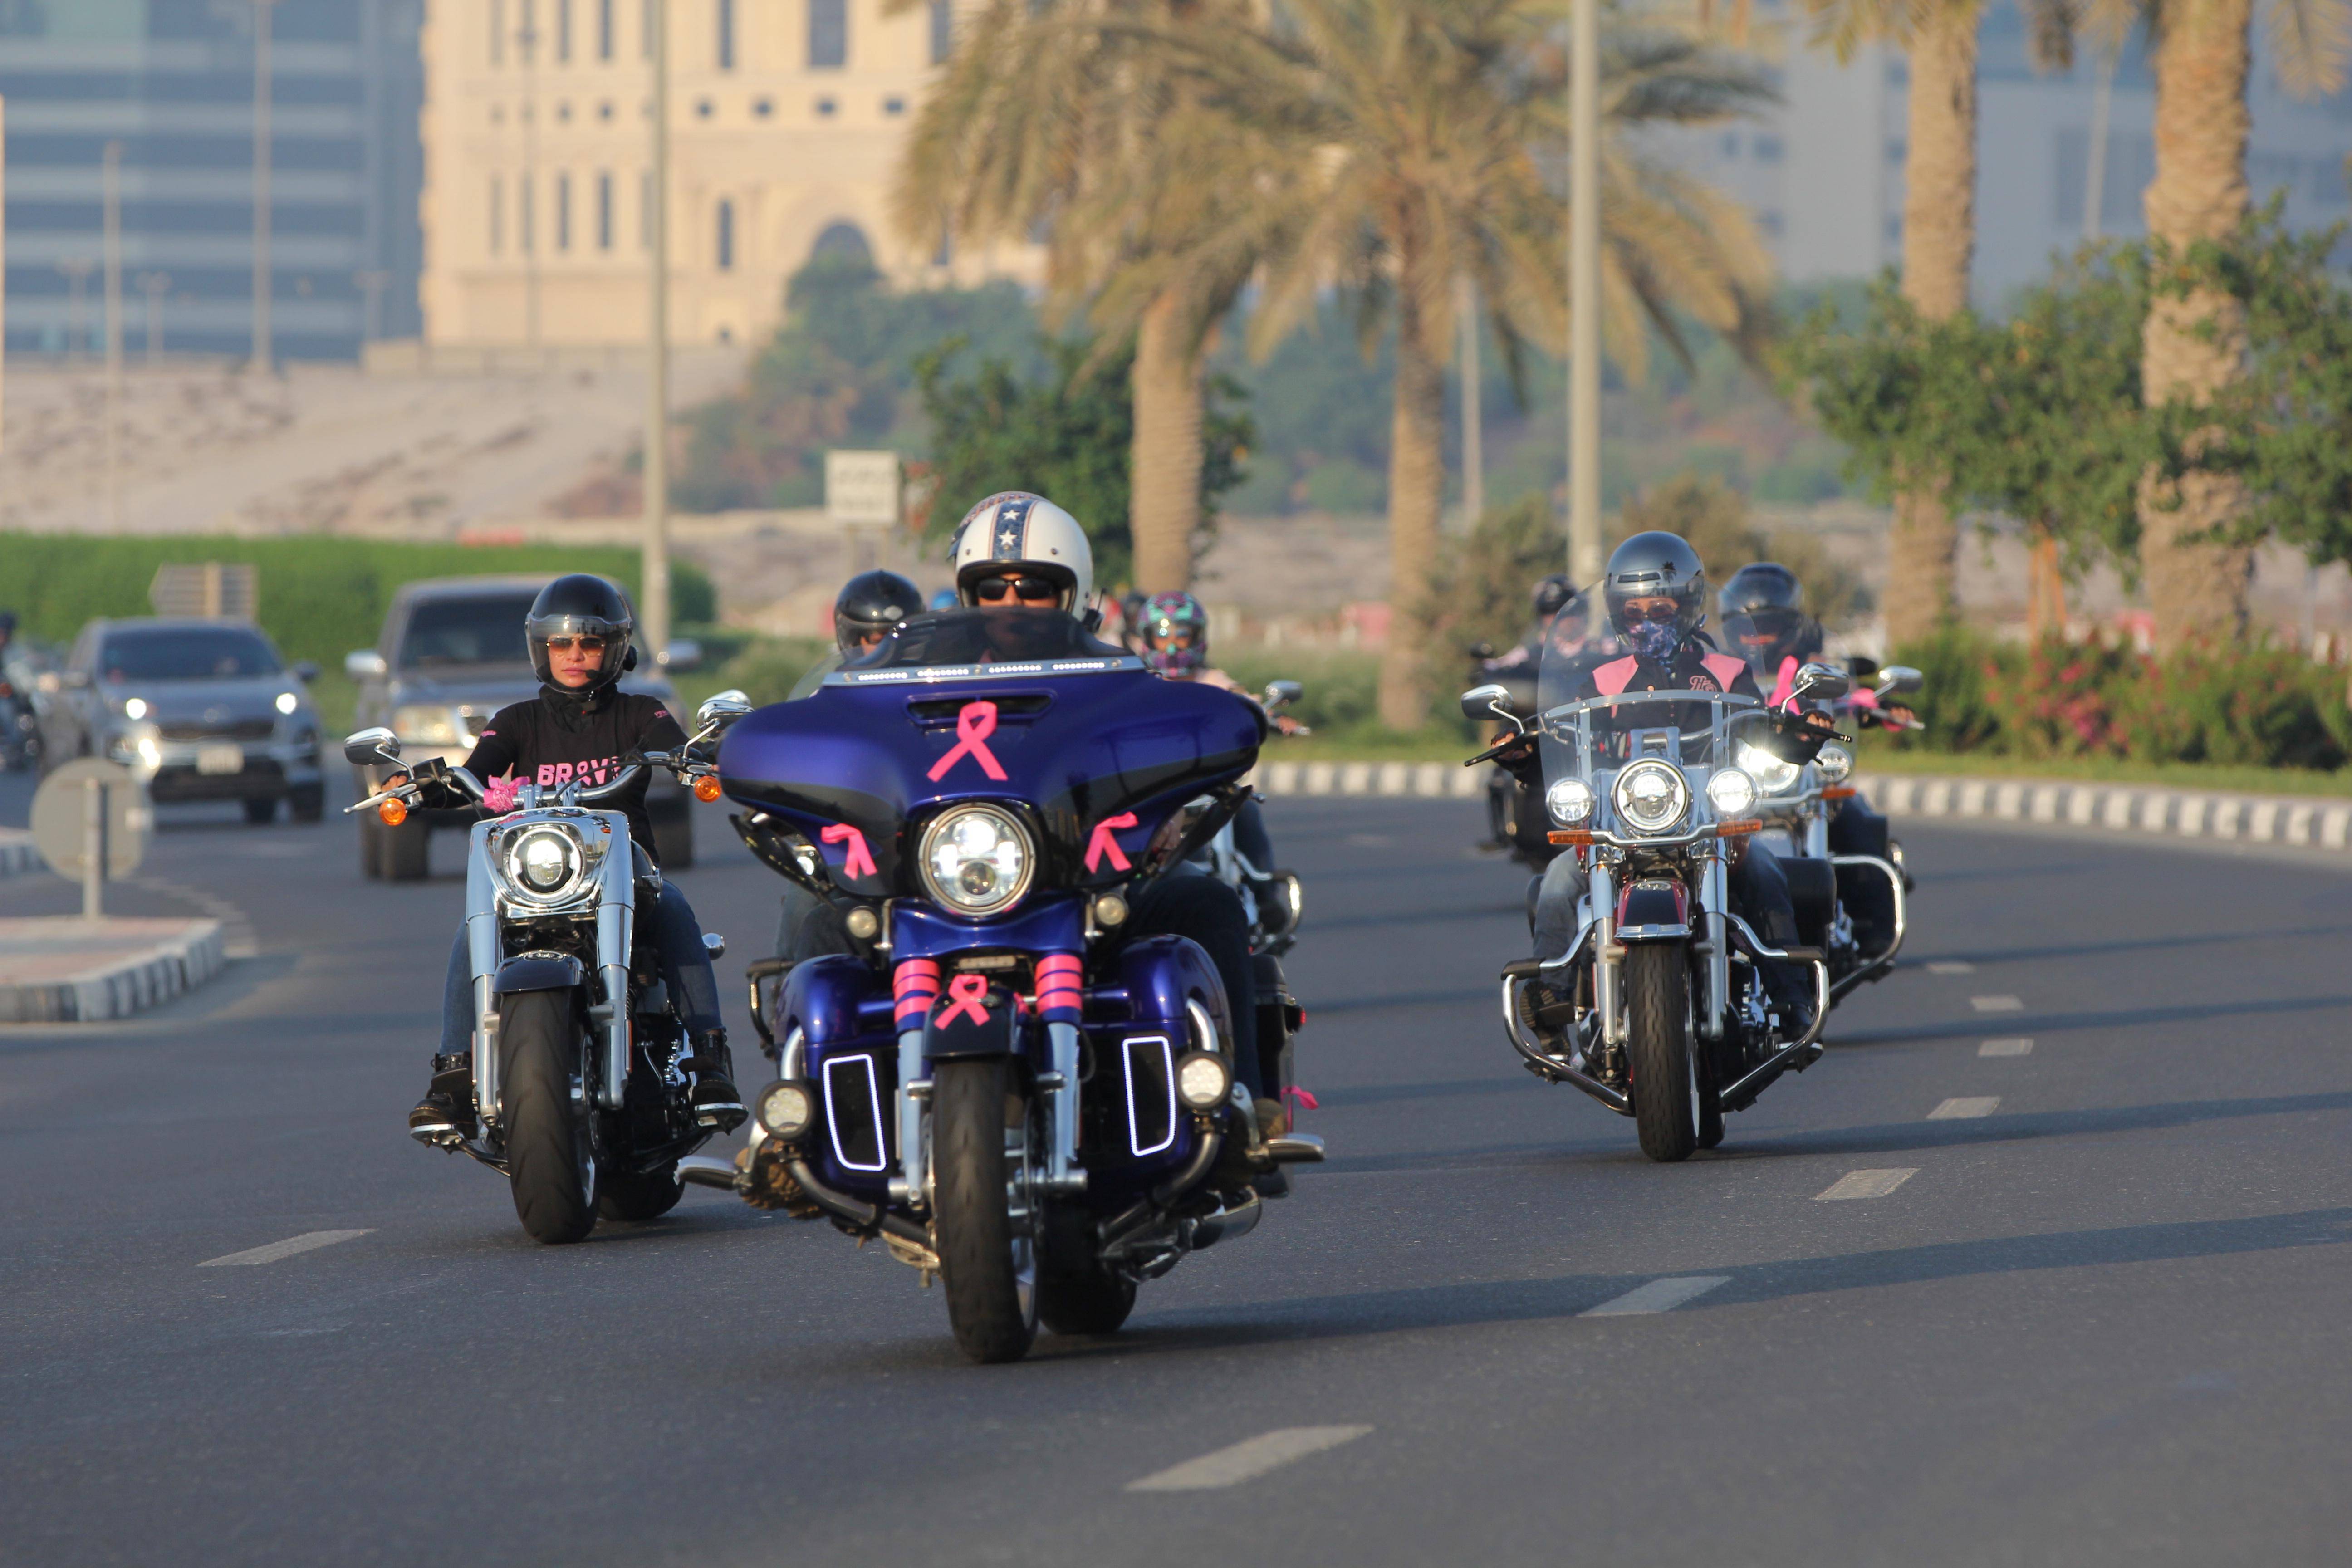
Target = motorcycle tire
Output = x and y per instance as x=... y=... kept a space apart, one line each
x=1659 y=1057
x=551 y=1160
x=988 y=1256
x=638 y=1195
x=1076 y=1294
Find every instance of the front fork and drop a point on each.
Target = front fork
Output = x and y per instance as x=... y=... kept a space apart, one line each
x=1608 y=954
x=911 y=1185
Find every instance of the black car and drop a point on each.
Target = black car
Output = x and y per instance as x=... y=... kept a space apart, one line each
x=200 y=709
x=451 y=655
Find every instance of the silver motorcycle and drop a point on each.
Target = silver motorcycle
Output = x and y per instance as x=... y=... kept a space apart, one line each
x=579 y=1096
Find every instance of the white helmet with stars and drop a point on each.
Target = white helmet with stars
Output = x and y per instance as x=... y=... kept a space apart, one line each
x=1014 y=532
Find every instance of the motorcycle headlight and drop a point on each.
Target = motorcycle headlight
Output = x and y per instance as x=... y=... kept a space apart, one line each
x=1730 y=792
x=976 y=859
x=1569 y=801
x=545 y=864
x=1772 y=775
x=430 y=725
x=1835 y=762
x=1650 y=796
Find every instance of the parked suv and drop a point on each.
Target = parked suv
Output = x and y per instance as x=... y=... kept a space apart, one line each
x=200 y=709
x=451 y=655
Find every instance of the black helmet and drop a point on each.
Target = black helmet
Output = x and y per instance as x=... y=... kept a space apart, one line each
x=1653 y=565
x=873 y=603
x=1763 y=610
x=1552 y=595
x=581 y=605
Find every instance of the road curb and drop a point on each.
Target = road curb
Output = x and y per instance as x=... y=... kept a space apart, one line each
x=119 y=986
x=2317 y=821
x=1427 y=781
x=18 y=853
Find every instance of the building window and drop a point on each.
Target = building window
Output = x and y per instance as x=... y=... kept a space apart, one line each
x=1894 y=149
x=894 y=106
x=726 y=246
x=828 y=33
x=604 y=212
x=604 y=29
x=645 y=28
x=498 y=214
x=562 y=211
x=763 y=107
x=523 y=227
x=563 y=32
x=498 y=32
x=1768 y=149
x=825 y=108
x=645 y=210
x=942 y=31
x=1732 y=143
x=726 y=18
x=527 y=35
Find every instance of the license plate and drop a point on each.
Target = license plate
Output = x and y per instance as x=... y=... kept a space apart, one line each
x=221 y=759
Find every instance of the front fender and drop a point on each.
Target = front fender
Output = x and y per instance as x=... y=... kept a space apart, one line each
x=537 y=971
x=1654 y=909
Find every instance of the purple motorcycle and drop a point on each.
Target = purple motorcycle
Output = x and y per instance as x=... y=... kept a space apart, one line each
x=1009 y=1087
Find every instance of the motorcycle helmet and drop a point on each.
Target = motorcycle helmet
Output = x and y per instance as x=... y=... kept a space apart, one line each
x=870 y=606
x=1551 y=596
x=1655 y=565
x=1179 y=620
x=1013 y=538
x=1763 y=613
x=581 y=605
x=945 y=599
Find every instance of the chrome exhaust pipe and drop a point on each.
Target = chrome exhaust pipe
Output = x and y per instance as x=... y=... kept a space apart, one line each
x=709 y=1171
x=1226 y=1224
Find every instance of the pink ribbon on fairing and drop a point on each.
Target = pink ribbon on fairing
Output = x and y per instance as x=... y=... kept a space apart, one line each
x=499 y=795
x=974 y=725
x=965 y=994
x=1306 y=1102
x=859 y=862
x=1102 y=844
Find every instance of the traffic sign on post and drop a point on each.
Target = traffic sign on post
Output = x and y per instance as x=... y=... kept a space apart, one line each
x=861 y=489
x=90 y=823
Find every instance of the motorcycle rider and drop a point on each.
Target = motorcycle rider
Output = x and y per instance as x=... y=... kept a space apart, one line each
x=577 y=727
x=1656 y=592
x=1763 y=612
x=1018 y=553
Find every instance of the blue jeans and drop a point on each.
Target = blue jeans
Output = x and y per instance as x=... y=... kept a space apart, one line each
x=685 y=969
x=1754 y=885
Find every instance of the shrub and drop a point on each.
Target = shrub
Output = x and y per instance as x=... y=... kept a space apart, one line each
x=1961 y=667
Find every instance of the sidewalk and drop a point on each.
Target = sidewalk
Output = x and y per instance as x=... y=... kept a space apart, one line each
x=61 y=968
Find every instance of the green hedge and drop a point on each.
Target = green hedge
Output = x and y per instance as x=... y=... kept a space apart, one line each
x=320 y=596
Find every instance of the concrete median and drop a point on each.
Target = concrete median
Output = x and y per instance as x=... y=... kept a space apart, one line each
x=60 y=969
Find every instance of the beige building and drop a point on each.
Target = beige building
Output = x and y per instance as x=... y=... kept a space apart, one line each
x=786 y=120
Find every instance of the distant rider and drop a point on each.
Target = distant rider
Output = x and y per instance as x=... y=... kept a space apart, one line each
x=577 y=729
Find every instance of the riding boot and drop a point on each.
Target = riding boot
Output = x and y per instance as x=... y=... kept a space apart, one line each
x=445 y=1115
x=717 y=1102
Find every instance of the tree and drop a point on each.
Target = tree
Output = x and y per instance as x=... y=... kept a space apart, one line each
x=1939 y=174
x=1407 y=142
x=2194 y=345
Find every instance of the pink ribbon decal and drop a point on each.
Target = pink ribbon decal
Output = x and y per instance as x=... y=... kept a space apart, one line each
x=974 y=725
x=1102 y=843
x=1306 y=1102
x=859 y=862
x=965 y=994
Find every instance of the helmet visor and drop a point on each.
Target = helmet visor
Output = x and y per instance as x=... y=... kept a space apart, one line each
x=563 y=646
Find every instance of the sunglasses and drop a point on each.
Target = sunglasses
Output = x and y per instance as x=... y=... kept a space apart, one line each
x=1030 y=590
x=585 y=645
x=1666 y=611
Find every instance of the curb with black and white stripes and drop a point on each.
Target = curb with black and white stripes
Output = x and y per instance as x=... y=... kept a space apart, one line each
x=116 y=988
x=1432 y=781
x=16 y=852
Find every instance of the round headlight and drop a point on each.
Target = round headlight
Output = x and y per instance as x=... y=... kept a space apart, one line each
x=134 y=708
x=785 y=1109
x=1835 y=762
x=1772 y=775
x=977 y=860
x=1569 y=801
x=544 y=862
x=1730 y=792
x=1650 y=796
x=288 y=702
x=1202 y=1081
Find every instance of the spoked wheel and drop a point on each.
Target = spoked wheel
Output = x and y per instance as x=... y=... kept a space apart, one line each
x=986 y=1197
x=550 y=1152
x=1660 y=1062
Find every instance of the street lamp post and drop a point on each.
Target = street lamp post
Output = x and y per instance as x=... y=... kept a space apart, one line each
x=262 y=354
x=110 y=187
x=1584 y=294
x=656 y=572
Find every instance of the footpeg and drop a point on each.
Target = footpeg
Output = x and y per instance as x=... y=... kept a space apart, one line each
x=1296 y=1149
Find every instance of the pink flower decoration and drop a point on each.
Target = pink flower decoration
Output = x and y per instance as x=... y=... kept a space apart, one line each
x=500 y=793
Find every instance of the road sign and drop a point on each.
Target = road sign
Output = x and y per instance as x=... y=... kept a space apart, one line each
x=91 y=803
x=861 y=489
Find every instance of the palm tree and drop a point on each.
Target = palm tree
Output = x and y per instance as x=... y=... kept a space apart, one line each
x=2192 y=345
x=1406 y=145
x=1939 y=174
x=1047 y=121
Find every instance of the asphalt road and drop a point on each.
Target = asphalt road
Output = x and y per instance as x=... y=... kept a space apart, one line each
x=2101 y=1320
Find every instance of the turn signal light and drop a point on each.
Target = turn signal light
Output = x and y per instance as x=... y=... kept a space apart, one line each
x=1570 y=835
x=1727 y=829
x=392 y=810
x=706 y=788
x=1840 y=792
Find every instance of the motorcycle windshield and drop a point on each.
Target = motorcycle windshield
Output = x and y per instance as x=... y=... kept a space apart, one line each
x=1012 y=706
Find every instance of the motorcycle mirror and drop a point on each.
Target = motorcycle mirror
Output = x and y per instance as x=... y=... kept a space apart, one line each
x=1492 y=700
x=1283 y=693
x=1899 y=678
x=1824 y=681
x=723 y=709
x=371 y=746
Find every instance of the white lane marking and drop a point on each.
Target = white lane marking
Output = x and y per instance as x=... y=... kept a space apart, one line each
x=307 y=1241
x=2006 y=1048
x=1246 y=1460
x=1965 y=1107
x=1657 y=1296
x=1866 y=1184
x=1997 y=1004
x=1951 y=966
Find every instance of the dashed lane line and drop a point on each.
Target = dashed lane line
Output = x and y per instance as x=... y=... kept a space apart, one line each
x=2013 y=1047
x=1866 y=1184
x=1951 y=966
x=1657 y=1296
x=309 y=1240
x=1965 y=1108
x=1997 y=1004
x=1246 y=1460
